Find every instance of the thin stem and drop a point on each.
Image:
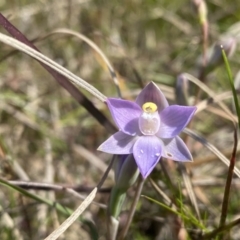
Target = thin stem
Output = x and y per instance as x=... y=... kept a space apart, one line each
x=228 y=182
x=56 y=187
x=133 y=208
x=218 y=230
x=106 y=173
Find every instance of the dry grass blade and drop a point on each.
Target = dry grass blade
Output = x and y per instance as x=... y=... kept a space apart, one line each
x=47 y=61
x=217 y=98
x=73 y=190
x=213 y=149
x=209 y=92
x=69 y=221
x=189 y=188
x=221 y=113
x=92 y=158
x=163 y=195
x=96 y=48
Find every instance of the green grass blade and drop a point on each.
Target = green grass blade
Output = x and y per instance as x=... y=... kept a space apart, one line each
x=230 y=77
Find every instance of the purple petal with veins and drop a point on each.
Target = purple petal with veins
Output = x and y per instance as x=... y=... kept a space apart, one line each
x=174 y=119
x=151 y=93
x=125 y=115
x=147 y=152
x=148 y=146
x=176 y=149
x=118 y=143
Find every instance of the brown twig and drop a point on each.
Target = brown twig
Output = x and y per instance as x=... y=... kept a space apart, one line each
x=133 y=208
x=221 y=229
x=228 y=182
x=56 y=187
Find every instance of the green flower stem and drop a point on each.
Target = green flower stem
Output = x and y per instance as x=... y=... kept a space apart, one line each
x=116 y=201
x=113 y=224
x=117 y=198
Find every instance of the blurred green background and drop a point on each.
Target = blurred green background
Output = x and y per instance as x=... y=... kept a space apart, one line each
x=46 y=136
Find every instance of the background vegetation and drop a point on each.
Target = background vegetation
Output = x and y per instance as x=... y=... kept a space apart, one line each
x=46 y=136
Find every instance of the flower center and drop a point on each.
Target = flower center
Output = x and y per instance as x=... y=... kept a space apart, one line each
x=149 y=120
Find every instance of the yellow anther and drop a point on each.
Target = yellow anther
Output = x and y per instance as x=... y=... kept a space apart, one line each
x=149 y=107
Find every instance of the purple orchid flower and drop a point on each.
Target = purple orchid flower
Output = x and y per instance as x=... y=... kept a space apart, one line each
x=149 y=129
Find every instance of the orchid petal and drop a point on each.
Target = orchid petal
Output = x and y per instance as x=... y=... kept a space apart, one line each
x=174 y=119
x=118 y=143
x=151 y=93
x=176 y=149
x=125 y=115
x=147 y=152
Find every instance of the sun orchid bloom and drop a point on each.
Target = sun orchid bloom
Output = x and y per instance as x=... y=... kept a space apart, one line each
x=148 y=129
